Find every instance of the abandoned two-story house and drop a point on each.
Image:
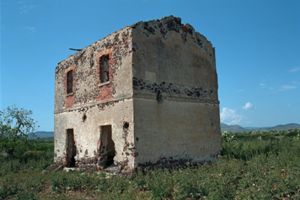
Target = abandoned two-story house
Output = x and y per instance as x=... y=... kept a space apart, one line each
x=144 y=93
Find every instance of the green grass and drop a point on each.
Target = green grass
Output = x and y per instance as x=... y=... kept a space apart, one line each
x=251 y=166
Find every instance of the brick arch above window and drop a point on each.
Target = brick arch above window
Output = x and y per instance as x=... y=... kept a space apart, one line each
x=70 y=85
x=105 y=88
x=104 y=64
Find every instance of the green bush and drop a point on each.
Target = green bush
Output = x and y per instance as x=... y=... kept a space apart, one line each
x=25 y=195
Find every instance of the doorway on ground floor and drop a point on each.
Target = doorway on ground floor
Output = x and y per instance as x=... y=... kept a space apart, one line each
x=70 y=149
x=107 y=150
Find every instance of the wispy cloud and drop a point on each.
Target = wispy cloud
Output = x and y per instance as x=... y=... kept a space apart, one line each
x=230 y=116
x=31 y=29
x=248 y=106
x=265 y=86
x=295 y=69
x=281 y=88
x=286 y=87
x=25 y=8
x=262 y=84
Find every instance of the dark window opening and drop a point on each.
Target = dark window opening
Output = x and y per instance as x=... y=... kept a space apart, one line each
x=159 y=96
x=125 y=125
x=70 y=82
x=84 y=117
x=71 y=149
x=107 y=147
x=104 y=69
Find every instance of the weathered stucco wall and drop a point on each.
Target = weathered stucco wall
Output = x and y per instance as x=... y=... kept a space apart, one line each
x=93 y=104
x=177 y=129
x=176 y=107
x=161 y=100
x=87 y=133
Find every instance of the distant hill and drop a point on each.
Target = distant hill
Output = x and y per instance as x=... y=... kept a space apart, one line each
x=237 y=128
x=41 y=134
x=232 y=128
x=282 y=127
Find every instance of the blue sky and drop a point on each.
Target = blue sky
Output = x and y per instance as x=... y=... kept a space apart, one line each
x=257 y=47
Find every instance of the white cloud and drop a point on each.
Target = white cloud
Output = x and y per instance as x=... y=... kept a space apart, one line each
x=31 y=29
x=25 y=8
x=248 y=106
x=241 y=90
x=295 y=69
x=287 y=87
x=265 y=86
x=229 y=116
x=262 y=84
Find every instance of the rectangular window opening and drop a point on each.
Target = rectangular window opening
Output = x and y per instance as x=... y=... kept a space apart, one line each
x=70 y=82
x=104 y=69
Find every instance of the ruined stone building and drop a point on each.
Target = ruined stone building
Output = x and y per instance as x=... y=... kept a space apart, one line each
x=142 y=94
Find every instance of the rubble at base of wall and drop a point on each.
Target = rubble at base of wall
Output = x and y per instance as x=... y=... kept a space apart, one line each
x=173 y=164
x=91 y=164
x=119 y=169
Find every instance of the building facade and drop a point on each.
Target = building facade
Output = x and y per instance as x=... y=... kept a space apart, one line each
x=142 y=94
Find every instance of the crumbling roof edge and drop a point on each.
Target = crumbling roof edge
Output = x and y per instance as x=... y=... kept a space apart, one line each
x=178 y=19
x=163 y=20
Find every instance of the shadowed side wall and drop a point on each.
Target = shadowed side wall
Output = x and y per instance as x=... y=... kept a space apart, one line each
x=176 y=107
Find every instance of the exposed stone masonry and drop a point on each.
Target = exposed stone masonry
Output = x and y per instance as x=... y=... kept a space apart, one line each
x=164 y=25
x=173 y=90
x=158 y=104
x=87 y=69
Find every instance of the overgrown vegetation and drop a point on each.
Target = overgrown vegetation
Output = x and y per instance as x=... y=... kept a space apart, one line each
x=15 y=125
x=263 y=165
x=251 y=166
